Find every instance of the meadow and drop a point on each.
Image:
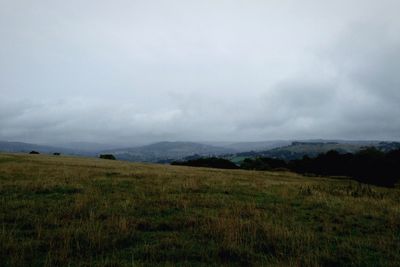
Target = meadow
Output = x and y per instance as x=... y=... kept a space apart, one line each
x=71 y=211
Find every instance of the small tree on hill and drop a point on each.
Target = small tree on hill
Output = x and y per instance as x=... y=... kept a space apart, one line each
x=107 y=156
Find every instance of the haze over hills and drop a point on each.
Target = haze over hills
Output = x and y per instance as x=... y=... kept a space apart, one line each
x=74 y=148
x=168 y=151
x=165 y=152
x=312 y=148
x=27 y=147
x=87 y=146
x=251 y=146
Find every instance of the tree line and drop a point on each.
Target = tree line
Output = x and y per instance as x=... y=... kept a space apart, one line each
x=369 y=165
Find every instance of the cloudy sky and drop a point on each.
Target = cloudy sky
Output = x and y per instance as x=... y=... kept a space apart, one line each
x=128 y=71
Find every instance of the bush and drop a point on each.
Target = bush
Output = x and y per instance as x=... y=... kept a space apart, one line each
x=368 y=166
x=263 y=164
x=208 y=162
x=107 y=156
x=33 y=152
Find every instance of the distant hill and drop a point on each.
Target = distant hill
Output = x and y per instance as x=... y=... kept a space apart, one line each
x=387 y=146
x=27 y=147
x=254 y=146
x=312 y=149
x=298 y=149
x=90 y=147
x=168 y=151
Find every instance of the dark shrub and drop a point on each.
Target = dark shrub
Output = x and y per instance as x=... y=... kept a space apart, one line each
x=56 y=154
x=208 y=162
x=264 y=164
x=107 y=156
x=369 y=165
x=34 y=152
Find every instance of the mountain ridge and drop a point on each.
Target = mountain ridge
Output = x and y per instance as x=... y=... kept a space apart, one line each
x=167 y=151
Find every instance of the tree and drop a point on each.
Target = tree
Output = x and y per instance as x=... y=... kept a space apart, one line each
x=107 y=156
x=212 y=162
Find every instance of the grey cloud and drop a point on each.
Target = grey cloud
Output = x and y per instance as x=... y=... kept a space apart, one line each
x=134 y=72
x=355 y=94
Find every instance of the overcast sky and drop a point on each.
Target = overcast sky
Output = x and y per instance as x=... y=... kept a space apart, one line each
x=143 y=71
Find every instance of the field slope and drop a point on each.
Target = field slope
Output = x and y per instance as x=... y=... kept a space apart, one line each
x=65 y=211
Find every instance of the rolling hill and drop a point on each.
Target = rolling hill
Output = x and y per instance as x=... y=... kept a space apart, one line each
x=298 y=149
x=252 y=146
x=27 y=147
x=167 y=151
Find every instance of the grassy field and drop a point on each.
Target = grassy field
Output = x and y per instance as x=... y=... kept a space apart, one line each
x=65 y=211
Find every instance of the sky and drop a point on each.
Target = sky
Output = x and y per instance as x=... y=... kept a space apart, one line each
x=132 y=72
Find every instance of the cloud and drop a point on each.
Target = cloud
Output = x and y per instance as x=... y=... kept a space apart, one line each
x=130 y=73
x=352 y=92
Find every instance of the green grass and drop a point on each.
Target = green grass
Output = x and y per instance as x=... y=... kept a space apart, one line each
x=65 y=211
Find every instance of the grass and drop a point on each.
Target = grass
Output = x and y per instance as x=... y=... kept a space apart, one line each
x=65 y=211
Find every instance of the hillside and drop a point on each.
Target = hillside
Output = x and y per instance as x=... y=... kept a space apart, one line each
x=89 y=147
x=312 y=149
x=167 y=151
x=66 y=211
x=251 y=146
x=298 y=149
x=19 y=147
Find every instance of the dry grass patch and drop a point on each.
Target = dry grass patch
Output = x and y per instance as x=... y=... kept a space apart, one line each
x=71 y=211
